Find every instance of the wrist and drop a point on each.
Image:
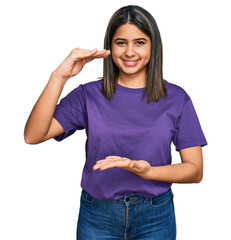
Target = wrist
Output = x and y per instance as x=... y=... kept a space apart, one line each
x=149 y=175
x=56 y=75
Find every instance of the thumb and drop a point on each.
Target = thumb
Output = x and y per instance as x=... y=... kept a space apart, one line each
x=89 y=59
x=132 y=164
x=86 y=60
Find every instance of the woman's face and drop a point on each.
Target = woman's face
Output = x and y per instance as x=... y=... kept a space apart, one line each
x=131 y=49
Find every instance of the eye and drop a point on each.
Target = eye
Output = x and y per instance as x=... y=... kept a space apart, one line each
x=140 y=43
x=120 y=43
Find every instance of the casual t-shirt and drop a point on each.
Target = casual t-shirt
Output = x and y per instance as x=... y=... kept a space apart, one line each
x=128 y=126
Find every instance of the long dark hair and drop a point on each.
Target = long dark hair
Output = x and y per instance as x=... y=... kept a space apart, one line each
x=133 y=14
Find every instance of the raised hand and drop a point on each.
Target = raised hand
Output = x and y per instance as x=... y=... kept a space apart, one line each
x=76 y=60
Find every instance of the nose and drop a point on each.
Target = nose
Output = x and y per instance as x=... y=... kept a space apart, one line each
x=129 y=51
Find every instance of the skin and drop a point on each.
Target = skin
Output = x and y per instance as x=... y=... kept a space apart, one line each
x=130 y=43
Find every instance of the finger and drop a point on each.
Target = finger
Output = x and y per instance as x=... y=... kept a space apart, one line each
x=109 y=157
x=118 y=163
x=89 y=59
x=85 y=53
x=114 y=156
x=110 y=160
x=90 y=54
x=96 y=166
x=79 y=50
x=102 y=54
x=103 y=161
x=106 y=55
x=81 y=53
x=96 y=52
x=110 y=165
x=103 y=51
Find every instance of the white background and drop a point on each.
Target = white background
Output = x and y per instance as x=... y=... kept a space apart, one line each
x=40 y=184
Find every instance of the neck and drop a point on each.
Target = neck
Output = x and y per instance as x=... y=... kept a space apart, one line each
x=131 y=81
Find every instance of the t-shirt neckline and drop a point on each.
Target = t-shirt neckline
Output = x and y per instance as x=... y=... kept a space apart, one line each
x=130 y=89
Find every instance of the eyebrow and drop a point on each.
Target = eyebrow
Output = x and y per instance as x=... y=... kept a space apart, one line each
x=124 y=39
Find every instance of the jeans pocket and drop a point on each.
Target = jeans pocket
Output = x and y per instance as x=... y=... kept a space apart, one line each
x=87 y=197
x=161 y=200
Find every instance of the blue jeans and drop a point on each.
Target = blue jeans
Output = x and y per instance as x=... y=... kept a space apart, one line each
x=130 y=217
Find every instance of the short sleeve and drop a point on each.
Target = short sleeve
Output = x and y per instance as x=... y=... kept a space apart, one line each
x=188 y=129
x=70 y=113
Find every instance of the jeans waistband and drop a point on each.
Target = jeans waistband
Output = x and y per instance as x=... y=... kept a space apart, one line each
x=134 y=198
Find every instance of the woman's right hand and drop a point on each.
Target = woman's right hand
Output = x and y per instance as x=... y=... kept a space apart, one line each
x=77 y=58
x=41 y=125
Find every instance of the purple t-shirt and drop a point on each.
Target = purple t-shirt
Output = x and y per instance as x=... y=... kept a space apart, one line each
x=127 y=126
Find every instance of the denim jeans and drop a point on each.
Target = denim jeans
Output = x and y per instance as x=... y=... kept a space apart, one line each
x=130 y=217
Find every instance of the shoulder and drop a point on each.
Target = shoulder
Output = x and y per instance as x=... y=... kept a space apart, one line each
x=82 y=88
x=83 y=91
x=93 y=88
x=177 y=92
x=93 y=84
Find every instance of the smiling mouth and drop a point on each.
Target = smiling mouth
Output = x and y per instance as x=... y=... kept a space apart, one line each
x=130 y=63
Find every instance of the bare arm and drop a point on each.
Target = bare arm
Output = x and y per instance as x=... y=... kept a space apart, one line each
x=41 y=125
x=189 y=171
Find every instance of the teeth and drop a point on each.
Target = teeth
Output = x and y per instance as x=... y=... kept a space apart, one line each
x=131 y=61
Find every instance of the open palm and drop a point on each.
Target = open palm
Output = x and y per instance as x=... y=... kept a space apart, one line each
x=139 y=167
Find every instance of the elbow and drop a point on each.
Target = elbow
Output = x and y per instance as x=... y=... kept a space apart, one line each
x=196 y=174
x=199 y=177
x=198 y=180
x=30 y=140
x=27 y=139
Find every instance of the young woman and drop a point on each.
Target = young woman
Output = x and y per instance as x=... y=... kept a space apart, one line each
x=131 y=117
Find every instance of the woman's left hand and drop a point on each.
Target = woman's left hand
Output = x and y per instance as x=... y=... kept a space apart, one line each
x=139 y=167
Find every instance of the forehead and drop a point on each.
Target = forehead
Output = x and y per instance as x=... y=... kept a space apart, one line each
x=129 y=31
